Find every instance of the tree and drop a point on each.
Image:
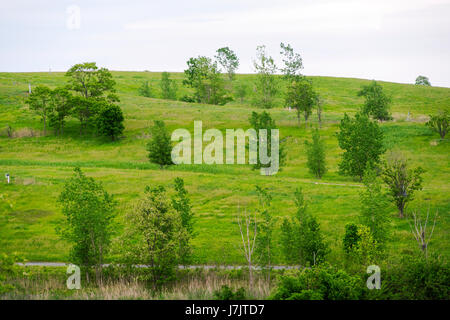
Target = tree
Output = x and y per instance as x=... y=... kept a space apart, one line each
x=263 y=120
x=374 y=207
x=401 y=181
x=89 y=212
x=264 y=241
x=90 y=81
x=168 y=87
x=301 y=96
x=110 y=120
x=423 y=81
x=181 y=204
x=377 y=102
x=362 y=142
x=40 y=100
x=420 y=230
x=360 y=245
x=228 y=60
x=241 y=90
x=440 y=123
x=145 y=90
x=316 y=155
x=293 y=63
x=266 y=83
x=248 y=229
x=203 y=75
x=152 y=235
x=319 y=104
x=61 y=100
x=160 y=147
x=85 y=110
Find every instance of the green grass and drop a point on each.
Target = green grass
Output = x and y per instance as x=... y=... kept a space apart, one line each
x=38 y=166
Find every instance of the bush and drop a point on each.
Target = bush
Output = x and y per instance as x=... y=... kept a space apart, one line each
x=226 y=293
x=321 y=282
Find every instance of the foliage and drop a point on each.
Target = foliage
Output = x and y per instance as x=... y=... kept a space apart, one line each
x=316 y=155
x=152 y=235
x=301 y=96
x=88 y=225
x=320 y=282
x=145 y=90
x=241 y=89
x=362 y=142
x=61 y=100
x=293 y=63
x=423 y=81
x=266 y=83
x=226 y=293
x=181 y=204
x=160 y=146
x=228 y=60
x=168 y=87
x=377 y=102
x=8 y=268
x=374 y=207
x=110 y=120
x=401 y=181
x=440 y=123
x=40 y=100
x=351 y=237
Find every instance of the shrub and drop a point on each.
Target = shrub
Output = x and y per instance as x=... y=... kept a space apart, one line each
x=226 y=293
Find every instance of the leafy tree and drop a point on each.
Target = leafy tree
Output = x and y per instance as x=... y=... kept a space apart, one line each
x=203 y=75
x=266 y=82
x=301 y=96
x=362 y=142
x=293 y=63
x=61 y=100
x=89 y=212
x=110 y=121
x=241 y=90
x=360 y=246
x=168 y=87
x=86 y=110
x=226 y=293
x=40 y=100
x=145 y=90
x=351 y=237
x=440 y=123
x=181 y=204
x=160 y=147
x=228 y=60
x=152 y=235
x=316 y=155
x=374 y=208
x=91 y=82
x=401 y=181
x=377 y=102
x=264 y=241
x=263 y=120
x=423 y=81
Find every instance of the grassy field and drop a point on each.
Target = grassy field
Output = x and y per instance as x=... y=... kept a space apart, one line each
x=40 y=164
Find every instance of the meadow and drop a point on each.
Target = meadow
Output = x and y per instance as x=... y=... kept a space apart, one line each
x=39 y=165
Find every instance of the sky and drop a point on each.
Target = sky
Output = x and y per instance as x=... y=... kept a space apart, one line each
x=389 y=40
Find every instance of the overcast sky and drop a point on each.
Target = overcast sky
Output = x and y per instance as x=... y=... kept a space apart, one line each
x=391 y=40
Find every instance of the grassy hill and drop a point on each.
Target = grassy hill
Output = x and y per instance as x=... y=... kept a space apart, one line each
x=39 y=165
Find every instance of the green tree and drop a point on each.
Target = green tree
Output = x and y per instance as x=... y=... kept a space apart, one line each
x=266 y=82
x=439 y=123
x=315 y=151
x=374 y=207
x=293 y=63
x=377 y=103
x=360 y=246
x=110 y=121
x=61 y=100
x=85 y=110
x=301 y=96
x=40 y=100
x=241 y=90
x=401 y=181
x=145 y=90
x=152 y=235
x=362 y=142
x=168 y=87
x=423 y=81
x=228 y=60
x=264 y=241
x=160 y=147
x=88 y=225
x=181 y=204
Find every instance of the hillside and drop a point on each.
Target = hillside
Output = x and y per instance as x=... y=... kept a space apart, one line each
x=38 y=165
